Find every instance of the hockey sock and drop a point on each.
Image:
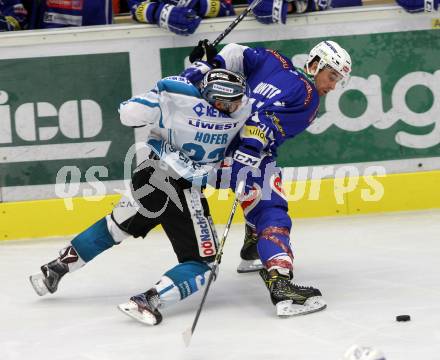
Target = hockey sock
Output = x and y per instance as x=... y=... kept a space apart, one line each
x=181 y=281
x=274 y=249
x=93 y=241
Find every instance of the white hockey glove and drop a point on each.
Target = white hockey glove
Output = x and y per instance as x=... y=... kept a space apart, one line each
x=181 y=165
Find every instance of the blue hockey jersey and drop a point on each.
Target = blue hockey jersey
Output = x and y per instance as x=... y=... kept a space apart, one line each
x=61 y=13
x=13 y=15
x=285 y=100
x=43 y=14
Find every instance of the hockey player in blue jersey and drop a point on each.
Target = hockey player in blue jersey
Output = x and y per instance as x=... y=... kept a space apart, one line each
x=44 y=14
x=13 y=15
x=285 y=102
x=190 y=129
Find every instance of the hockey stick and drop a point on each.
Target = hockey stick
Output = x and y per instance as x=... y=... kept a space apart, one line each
x=233 y=24
x=187 y=334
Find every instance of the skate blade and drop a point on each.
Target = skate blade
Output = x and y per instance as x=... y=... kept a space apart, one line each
x=247 y=266
x=187 y=335
x=37 y=282
x=313 y=304
x=131 y=309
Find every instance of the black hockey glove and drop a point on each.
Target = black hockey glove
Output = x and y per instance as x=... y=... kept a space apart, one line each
x=203 y=51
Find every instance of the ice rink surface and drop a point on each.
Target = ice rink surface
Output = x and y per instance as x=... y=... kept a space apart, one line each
x=369 y=269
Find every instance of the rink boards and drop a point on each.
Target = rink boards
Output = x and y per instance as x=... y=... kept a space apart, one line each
x=64 y=155
x=310 y=198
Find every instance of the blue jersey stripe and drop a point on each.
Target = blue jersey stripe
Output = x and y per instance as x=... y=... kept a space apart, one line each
x=145 y=102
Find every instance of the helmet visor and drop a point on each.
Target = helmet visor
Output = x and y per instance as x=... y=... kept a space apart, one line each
x=227 y=107
x=340 y=79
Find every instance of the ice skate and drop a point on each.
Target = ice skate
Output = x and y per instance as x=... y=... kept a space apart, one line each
x=143 y=307
x=250 y=260
x=290 y=299
x=48 y=279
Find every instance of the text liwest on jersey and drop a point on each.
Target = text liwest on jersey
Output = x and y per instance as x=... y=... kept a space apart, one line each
x=211 y=126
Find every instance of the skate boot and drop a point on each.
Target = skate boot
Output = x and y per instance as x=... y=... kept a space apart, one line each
x=47 y=281
x=250 y=260
x=290 y=299
x=143 y=307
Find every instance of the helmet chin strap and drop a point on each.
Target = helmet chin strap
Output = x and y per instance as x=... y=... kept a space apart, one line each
x=310 y=72
x=321 y=65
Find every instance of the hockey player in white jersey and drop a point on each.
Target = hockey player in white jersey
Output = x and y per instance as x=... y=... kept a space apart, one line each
x=190 y=131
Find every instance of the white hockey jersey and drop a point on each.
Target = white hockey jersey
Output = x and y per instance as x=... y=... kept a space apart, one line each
x=187 y=133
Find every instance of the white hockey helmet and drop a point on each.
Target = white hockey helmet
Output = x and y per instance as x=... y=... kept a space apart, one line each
x=330 y=54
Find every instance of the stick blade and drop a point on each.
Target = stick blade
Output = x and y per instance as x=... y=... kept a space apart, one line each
x=187 y=335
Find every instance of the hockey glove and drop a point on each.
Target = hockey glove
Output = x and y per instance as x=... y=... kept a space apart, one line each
x=204 y=8
x=144 y=12
x=343 y=3
x=4 y=25
x=179 y=164
x=179 y=20
x=271 y=11
x=13 y=16
x=298 y=6
x=215 y=8
x=413 y=6
x=203 y=51
x=246 y=162
x=320 y=5
x=196 y=71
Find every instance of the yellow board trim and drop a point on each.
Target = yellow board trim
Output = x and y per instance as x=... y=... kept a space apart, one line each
x=435 y=23
x=312 y=198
